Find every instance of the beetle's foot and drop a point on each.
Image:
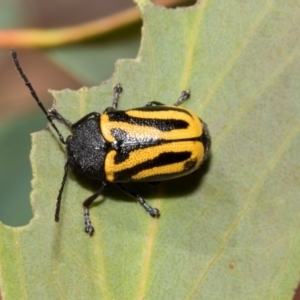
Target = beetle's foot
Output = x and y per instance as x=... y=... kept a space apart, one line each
x=118 y=89
x=53 y=114
x=154 y=212
x=184 y=96
x=89 y=229
x=88 y=224
x=117 y=92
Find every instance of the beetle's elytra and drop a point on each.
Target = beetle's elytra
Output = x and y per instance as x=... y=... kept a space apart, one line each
x=152 y=143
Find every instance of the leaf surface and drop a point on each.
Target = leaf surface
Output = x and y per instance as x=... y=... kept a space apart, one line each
x=229 y=231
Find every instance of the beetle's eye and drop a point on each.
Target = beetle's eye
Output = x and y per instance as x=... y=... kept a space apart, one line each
x=69 y=139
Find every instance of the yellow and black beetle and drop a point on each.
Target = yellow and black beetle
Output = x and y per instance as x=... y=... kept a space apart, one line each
x=151 y=143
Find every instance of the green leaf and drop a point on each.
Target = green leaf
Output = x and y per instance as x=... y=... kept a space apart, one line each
x=229 y=231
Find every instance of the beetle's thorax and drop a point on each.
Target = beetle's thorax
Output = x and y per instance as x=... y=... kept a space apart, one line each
x=86 y=149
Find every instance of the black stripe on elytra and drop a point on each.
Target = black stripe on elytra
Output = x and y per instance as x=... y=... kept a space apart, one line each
x=124 y=144
x=188 y=165
x=163 y=107
x=163 y=159
x=160 y=124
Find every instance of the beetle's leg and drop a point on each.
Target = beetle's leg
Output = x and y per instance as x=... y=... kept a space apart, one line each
x=154 y=212
x=58 y=202
x=152 y=103
x=92 y=114
x=86 y=205
x=55 y=115
x=184 y=96
x=117 y=92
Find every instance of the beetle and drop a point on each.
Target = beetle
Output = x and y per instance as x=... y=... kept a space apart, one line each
x=152 y=143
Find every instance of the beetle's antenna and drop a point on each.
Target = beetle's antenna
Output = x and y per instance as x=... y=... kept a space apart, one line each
x=34 y=94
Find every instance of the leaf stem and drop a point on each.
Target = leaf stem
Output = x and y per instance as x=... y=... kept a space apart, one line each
x=46 y=38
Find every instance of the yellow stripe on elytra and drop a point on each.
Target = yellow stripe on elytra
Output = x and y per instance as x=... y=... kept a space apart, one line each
x=139 y=132
x=169 y=169
x=173 y=113
x=139 y=156
x=176 y=168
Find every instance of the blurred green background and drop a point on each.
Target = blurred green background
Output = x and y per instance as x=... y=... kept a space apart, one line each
x=71 y=67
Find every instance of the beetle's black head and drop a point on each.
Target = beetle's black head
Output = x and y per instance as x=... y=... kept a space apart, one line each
x=86 y=148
